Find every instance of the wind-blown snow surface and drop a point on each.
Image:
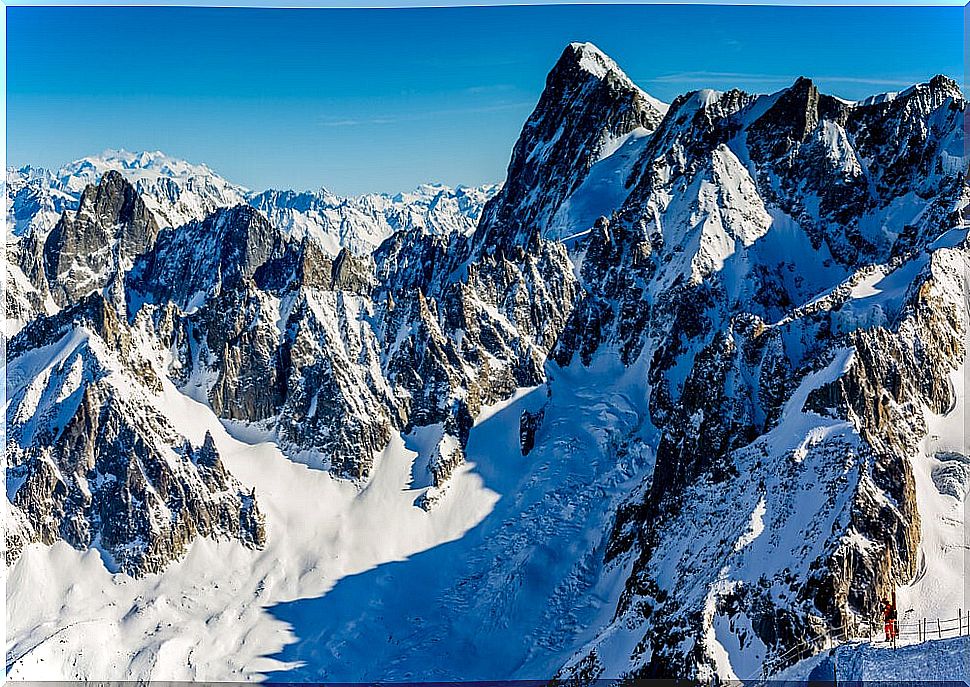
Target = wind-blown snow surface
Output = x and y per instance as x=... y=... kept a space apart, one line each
x=363 y=585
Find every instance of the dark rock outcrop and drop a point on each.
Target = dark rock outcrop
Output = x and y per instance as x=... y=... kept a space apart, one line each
x=111 y=226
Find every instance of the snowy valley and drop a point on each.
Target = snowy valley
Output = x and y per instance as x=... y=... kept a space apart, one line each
x=685 y=390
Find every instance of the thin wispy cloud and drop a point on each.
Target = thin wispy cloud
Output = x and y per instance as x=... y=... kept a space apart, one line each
x=742 y=78
x=339 y=122
x=491 y=88
x=421 y=116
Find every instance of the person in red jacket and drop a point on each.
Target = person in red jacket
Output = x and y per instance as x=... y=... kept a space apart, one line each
x=889 y=618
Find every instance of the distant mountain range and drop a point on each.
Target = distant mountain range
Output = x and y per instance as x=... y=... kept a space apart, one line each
x=178 y=192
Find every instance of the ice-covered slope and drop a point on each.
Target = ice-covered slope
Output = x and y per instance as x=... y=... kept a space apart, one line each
x=306 y=607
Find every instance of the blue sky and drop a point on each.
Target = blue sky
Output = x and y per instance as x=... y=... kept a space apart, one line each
x=383 y=99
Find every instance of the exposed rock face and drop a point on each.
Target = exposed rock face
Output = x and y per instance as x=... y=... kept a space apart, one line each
x=587 y=102
x=27 y=292
x=744 y=355
x=529 y=424
x=337 y=402
x=33 y=207
x=208 y=257
x=111 y=226
x=96 y=462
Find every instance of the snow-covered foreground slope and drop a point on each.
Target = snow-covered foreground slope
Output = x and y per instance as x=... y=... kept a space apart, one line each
x=937 y=660
x=500 y=578
x=206 y=617
x=517 y=591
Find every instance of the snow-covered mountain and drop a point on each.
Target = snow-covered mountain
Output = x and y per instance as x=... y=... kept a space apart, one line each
x=176 y=192
x=688 y=389
x=362 y=223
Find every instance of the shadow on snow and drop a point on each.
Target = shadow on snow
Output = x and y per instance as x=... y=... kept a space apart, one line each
x=508 y=598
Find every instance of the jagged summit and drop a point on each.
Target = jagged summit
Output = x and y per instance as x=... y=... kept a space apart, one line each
x=590 y=59
x=937 y=89
x=111 y=226
x=945 y=84
x=576 y=120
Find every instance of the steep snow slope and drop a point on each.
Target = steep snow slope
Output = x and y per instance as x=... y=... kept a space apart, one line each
x=602 y=191
x=942 y=473
x=516 y=591
x=317 y=602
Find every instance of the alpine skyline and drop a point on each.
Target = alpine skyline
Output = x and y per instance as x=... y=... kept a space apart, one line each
x=363 y=100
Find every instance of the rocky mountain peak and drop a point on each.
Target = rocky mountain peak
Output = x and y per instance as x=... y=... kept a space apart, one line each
x=352 y=273
x=581 y=60
x=111 y=198
x=587 y=58
x=942 y=87
x=205 y=256
x=795 y=114
x=587 y=102
x=942 y=81
x=110 y=227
